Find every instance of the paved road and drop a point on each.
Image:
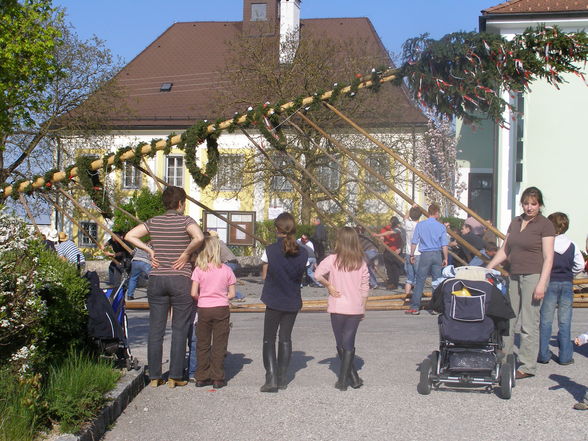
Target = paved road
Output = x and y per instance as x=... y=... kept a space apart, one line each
x=390 y=346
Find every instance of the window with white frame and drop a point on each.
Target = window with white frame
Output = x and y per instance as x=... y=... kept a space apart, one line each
x=90 y=231
x=230 y=173
x=280 y=182
x=131 y=176
x=380 y=163
x=174 y=171
x=329 y=175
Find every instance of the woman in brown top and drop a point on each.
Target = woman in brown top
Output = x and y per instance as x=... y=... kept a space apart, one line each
x=529 y=248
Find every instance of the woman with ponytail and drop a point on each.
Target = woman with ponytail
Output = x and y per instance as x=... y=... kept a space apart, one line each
x=284 y=263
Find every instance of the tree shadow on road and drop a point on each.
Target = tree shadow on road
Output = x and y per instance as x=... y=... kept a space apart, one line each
x=578 y=391
x=234 y=364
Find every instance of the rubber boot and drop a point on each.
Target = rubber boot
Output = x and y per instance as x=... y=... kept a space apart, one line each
x=343 y=380
x=270 y=364
x=354 y=379
x=284 y=354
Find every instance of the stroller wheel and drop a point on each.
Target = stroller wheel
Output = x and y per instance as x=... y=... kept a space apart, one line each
x=426 y=381
x=506 y=380
x=512 y=360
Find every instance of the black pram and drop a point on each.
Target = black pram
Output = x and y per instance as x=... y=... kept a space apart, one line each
x=107 y=321
x=474 y=315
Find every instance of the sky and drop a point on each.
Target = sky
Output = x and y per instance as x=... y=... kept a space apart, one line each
x=129 y=26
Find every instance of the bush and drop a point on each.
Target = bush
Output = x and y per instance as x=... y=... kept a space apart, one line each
x=76 y=388
x=42 y=301
x=143 y=204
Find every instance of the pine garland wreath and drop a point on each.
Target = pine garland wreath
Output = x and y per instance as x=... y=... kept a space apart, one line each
x=463 y=73
x=90 y=182
x=48 y=177
x=16 y=188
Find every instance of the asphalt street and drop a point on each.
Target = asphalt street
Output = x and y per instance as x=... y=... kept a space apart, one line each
x=390 y=347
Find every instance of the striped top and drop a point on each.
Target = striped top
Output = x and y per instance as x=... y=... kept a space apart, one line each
x=169 y=239
x=69 y=250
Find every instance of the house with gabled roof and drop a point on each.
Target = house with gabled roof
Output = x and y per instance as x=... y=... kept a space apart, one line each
x=174 y=82
x=545 y=143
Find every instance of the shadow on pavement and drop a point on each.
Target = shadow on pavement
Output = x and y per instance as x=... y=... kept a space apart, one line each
x=234 y=364
x=298 y=362
x=577 y=390
x=334 y=363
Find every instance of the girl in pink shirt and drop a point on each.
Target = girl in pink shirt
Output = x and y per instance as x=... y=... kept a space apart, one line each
x=212 y=287
x=346 y=277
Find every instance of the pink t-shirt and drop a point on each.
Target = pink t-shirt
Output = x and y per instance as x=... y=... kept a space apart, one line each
x=214 y=285
x=352 y=285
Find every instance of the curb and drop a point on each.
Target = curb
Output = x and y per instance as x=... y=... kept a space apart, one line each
x=125 y=391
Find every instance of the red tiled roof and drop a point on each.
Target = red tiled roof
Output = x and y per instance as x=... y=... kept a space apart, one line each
x=537 y=6
x=191 y=55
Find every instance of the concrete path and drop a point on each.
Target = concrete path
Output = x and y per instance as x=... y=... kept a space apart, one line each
x=390 y=347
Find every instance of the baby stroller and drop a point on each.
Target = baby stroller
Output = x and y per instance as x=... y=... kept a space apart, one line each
x=107 y=321
x=474 y=315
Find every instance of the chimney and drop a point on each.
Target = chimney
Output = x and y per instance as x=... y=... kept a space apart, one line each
x=289 y=30
x=260 y=17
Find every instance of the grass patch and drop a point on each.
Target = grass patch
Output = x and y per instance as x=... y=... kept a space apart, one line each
x=19 y=415
x=75 y=390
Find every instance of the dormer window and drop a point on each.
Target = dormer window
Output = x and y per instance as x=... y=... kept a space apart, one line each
x=166 y=87
x=258 y=11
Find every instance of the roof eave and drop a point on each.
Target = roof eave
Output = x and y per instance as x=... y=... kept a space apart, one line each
x=537 y=16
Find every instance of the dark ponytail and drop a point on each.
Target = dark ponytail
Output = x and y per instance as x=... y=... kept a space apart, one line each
x=286 y=226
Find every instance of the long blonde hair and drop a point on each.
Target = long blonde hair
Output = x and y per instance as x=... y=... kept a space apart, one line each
x=348 y=250
x=209 y=254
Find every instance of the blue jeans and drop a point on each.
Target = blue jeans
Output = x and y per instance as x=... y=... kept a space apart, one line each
x=137 y=268
x=234 y=266
x=410 y=269
x=560 y=295
x=370 y=257
x=429 y=263
x=310 y=270
x=192 y=364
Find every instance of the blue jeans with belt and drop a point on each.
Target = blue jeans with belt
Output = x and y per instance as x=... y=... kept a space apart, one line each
x=560 y=295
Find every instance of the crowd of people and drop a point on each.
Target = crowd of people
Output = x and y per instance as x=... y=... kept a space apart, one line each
x=194 y=273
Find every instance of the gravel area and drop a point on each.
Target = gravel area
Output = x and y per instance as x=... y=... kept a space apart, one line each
x=390 y=347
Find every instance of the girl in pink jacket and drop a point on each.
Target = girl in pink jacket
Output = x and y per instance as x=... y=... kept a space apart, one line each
x=346 y=277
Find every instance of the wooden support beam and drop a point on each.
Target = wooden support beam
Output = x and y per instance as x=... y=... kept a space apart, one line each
x=201 y=205
x=72 y=220
x=417 y=172
x=347 y=152
x=95 y=219
x=23 y=201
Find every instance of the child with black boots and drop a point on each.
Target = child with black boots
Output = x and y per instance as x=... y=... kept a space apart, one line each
x=346 y=277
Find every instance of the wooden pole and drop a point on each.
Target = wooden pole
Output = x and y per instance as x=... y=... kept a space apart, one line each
x=201 y=205
x=76 y=223
x=391 y=186
x=159 y=187
x=126 y=213
x=95 y=219
x=420 y=174
x=23 y=201
x=316 y=182
x=162 y=144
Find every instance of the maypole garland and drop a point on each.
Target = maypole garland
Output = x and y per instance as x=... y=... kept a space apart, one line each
x=462 y=73
x=455 y=76
x=90 y=182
